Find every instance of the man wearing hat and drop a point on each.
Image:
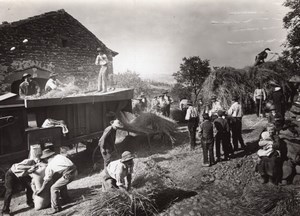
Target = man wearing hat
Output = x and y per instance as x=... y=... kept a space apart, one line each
x=61 y=171
x=144 y=102
x=155 y=106
x=166 y=102
x=118 y=174
x=259 y=97
x=53 y=83
x=103 y=61
x=18 y=174
x=236 y=113
x=206 y=134
x=276 y=119
x=192 y=117
x=29 y=87
x=278 y=99
x=107 y=141
x=222 y=131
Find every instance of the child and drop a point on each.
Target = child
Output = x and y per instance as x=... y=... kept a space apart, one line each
x=206 y=133
x=222 y=129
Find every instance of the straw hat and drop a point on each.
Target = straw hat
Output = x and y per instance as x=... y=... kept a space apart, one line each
x=53 y=75
x=126 y=156
x=116 y=123
x=272 y=107
x=221 y=113
x=47 y=153
x=26 y=75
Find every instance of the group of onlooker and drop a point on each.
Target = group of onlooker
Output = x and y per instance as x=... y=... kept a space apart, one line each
x=218 y=126
x=162 y=104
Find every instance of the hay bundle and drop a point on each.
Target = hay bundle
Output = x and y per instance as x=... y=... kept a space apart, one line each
x=227 y=82
x=70 y=89
x=148 y=123
x=272 y=199
x=118 y=203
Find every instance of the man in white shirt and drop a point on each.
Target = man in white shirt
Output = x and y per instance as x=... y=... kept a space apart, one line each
x=53 y=83
x=192 y=117
x=18 y=174
x=215 y=107
x=64 y=170
x=103 y=61
x=235 y=111
x=118 y=173
x=259 y=97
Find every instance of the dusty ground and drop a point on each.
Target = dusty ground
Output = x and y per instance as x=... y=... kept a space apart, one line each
x=190 y=188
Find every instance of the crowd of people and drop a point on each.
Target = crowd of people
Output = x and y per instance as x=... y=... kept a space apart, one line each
x=160 y=105
x=219 y=128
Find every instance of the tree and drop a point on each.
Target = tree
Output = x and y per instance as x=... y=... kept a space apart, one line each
x=181 y=91
x=130 y=79
x=291 y=54
x=193 y=72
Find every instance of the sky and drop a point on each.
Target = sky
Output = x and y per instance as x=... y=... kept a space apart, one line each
x=153 y=36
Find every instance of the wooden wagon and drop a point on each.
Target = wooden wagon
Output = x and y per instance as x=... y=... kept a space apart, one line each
x=85 y=117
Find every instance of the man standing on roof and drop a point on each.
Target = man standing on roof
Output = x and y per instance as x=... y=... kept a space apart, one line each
x=107 y=141
x=53 y=83
x=103 y=61
x=260 y=57
x=29 y=87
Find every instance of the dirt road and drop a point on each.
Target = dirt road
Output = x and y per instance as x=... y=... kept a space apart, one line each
x=190 y=189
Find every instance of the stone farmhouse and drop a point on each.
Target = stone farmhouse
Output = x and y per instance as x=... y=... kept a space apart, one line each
x=50 y=42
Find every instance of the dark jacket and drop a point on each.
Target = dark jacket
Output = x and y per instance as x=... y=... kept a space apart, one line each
x=206 y=132
x=107 y=140
x=221 y=125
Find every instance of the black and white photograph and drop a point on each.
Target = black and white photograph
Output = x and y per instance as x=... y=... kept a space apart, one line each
x=150 y=107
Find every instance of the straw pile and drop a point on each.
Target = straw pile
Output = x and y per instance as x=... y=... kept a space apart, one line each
x=118 y=203
x=149 y=123
x=69 y=90
x=273 y=200
x=227 y=82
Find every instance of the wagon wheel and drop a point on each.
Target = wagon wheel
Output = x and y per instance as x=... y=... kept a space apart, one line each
x=96 y=157
x=2 y=181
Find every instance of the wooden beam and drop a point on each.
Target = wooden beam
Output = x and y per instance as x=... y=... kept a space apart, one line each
x=13 y=156
x=119 y=95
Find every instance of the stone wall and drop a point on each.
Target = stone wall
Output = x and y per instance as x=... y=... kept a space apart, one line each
x=54 y=41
